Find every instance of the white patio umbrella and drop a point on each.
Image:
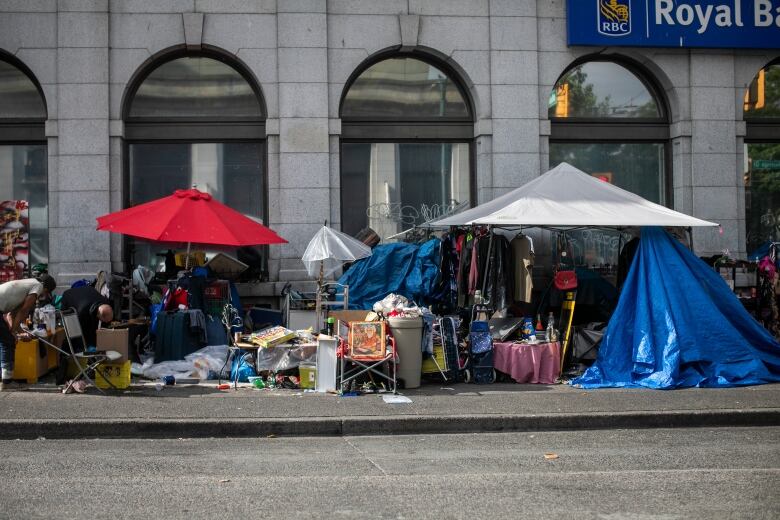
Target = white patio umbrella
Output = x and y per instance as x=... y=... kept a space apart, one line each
x=329 y=249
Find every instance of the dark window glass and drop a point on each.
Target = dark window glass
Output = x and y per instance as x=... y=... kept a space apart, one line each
x=601 y=89
x=636 y=167
x=23 y=177
x=195 y=87
x=230 y=172
x=762 y=98
x=19 y=98
x=762 y=194
x=404 y=88
x=391 y=187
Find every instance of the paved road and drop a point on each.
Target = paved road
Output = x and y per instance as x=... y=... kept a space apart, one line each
x=644 y=474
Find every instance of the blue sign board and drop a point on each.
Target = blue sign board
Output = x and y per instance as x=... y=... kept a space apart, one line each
x=744 y=24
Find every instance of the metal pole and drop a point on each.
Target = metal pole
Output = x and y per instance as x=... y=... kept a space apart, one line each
x=187 y=258
x=690 y=237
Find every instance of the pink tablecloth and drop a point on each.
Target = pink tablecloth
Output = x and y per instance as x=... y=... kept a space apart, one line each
x=538 y=363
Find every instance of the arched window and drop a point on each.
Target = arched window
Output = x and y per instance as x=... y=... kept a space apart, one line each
x=609 y=121
x=195 y=120
x=762 y=153
x=23 y=156
x=407 y=129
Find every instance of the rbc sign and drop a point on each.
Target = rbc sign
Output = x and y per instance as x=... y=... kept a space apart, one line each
x=614 y=17
x=746 y=24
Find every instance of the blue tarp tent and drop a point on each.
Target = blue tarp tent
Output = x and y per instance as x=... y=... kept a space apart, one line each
x=406 y=269
x=677 y=324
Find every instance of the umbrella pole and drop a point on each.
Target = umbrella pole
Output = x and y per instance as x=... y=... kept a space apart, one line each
x=187 y=258
x=318 y=309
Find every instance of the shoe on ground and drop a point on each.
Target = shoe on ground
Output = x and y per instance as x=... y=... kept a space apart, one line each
x=11 y=386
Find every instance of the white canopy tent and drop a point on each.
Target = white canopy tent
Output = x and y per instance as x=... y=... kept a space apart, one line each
x=566 y=197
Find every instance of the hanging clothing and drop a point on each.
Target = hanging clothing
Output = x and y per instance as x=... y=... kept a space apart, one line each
x=474 y=266
x=460 y=244
x=446 y=292
x=522 y=250
x=494 y=272
x=464 y=269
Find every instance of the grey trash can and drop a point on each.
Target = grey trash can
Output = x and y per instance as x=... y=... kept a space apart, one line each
x=408 y=340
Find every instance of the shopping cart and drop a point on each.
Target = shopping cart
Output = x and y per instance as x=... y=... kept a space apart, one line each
x=479 y=363
x=444 y=362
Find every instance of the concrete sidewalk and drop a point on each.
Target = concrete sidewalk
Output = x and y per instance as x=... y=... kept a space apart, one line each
x=204 y=411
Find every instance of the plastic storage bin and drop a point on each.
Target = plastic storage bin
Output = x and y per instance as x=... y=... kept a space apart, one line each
x=408 y=341
x=117 y=373
x=31 y=360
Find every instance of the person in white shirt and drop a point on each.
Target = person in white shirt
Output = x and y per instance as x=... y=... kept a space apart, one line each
x=17 y=301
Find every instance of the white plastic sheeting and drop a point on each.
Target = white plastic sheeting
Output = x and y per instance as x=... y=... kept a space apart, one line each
x=331 y=248
x=568 y=197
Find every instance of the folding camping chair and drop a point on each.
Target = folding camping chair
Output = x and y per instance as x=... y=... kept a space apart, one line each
x=370 y=365
x=91 y=360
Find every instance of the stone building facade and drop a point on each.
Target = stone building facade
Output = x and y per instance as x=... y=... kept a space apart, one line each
x=89 y=56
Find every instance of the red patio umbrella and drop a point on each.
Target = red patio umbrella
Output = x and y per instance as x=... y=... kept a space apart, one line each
x=189 y=216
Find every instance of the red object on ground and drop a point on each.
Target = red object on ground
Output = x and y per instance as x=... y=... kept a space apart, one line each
x=189 y=216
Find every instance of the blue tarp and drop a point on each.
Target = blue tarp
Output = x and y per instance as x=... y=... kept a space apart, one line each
x=406 y=269
x=677 y=324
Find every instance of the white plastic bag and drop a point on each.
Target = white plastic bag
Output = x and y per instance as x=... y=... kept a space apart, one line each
x=200 y=364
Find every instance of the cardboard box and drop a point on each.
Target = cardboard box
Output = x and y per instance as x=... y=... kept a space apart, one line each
x=114 y=339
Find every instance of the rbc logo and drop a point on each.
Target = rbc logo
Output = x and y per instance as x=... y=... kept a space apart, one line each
x=614 y=17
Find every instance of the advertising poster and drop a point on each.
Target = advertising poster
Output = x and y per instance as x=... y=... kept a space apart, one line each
x=15 y=235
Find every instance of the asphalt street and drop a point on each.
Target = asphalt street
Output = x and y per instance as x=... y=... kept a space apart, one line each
x=645 y=474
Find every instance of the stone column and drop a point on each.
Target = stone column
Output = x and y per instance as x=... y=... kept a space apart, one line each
x=515 y=94
x=79 y=184
x=303 y=192
x=714 y=153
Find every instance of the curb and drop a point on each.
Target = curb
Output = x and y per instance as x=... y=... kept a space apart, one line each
x=375 y=425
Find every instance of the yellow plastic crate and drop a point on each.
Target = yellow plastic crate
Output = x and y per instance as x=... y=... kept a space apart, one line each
x=30 y=360
x=429 y=367
x=117 y=373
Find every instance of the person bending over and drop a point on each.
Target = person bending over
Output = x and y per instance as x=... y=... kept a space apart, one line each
x=17 y=301
x=91 y=307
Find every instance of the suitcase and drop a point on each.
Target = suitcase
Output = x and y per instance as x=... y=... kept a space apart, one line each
x=175 y=338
